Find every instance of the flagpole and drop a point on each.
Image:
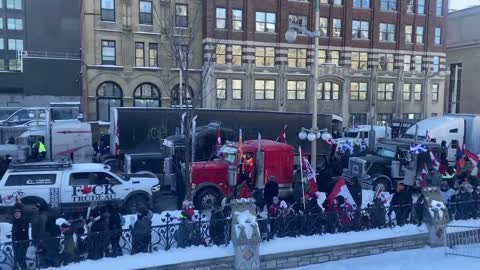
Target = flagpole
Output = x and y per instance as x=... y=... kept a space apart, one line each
x=301 y=176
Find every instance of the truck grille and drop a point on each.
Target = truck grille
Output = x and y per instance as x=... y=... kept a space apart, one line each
x=356 y=167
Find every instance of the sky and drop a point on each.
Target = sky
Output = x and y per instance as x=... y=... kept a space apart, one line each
x=461 y=4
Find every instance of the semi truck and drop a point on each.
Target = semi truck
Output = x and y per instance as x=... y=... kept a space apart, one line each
x=359 y=134
x=454 y=129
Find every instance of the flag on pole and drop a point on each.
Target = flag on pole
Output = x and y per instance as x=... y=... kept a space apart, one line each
x=341 y=188
x=418 y=149
x=283 y=135
x=460 y=162
x=473 y=158
x=219 y=137
x=435 y=162
x=310 y=173
x=423 y=182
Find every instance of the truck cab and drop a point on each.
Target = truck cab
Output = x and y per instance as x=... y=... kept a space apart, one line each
x=360 y=133
x=212 y=180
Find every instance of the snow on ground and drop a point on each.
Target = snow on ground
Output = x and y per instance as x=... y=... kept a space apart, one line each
x=418 y=259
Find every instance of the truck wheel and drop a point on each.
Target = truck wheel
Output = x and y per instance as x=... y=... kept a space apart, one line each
x=207 y=199
x=135 y=203
x=382 y=183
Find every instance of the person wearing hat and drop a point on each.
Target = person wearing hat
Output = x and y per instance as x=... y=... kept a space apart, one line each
x=270 y=190
x=401 y=204
x=141 y=233
x=20 y=237
x=446 y=192
x=70 y=249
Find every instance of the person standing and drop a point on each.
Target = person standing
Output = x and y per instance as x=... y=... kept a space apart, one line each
x=96 y=238
x=401 y=204
x=115 y=226
x=42 y=150
x=20 y=237
x=141 y=234
x=270 y=191
x=433 y=178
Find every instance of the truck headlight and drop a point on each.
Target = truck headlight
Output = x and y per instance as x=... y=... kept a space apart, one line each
x=156 y=188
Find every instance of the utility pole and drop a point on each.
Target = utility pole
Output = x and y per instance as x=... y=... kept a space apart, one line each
x=315 y=86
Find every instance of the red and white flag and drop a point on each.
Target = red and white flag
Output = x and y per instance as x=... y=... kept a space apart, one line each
x=435 y=162
x=219 y=138
x=473 y=158
x=283 y=135
x=310 y=173
x=423 y=182
x=341 y=189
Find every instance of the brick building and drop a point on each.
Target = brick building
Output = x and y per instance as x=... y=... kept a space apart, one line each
x=380 y=59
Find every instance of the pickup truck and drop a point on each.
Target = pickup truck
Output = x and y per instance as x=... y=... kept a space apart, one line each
x=66 y=186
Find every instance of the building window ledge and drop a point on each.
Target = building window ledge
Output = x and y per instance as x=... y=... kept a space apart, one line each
x=148 y=68
x=105 y=66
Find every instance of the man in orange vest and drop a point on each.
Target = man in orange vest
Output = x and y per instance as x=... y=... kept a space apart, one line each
x=248 y=167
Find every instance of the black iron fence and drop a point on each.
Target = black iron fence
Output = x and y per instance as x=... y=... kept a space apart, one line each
x=174 y=233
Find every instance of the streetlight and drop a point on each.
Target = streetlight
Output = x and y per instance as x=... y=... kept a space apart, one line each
x=291 y=36
x=314 y=134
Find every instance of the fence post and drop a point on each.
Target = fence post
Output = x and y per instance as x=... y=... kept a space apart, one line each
x=435 y=216
x=245 y=235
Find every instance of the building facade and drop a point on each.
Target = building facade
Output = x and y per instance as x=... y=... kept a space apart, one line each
x=463 y=55
x=136 y=52
x=380 y=59
x=39 y=53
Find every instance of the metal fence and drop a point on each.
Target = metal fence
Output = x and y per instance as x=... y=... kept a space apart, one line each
x=462 y=241
x=204 y=231
x=14 y=132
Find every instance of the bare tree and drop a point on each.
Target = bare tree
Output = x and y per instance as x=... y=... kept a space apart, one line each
x=181 y=29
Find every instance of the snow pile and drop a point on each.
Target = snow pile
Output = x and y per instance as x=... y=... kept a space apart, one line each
x=247 y=223
x=437 y=207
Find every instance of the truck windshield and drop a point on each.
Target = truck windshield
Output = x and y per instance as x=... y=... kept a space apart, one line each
x=229 y=153
x=351 y=134
x=385 y=152
x=118 y=173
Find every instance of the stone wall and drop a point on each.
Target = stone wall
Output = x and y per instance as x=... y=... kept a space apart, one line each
x=310 y=256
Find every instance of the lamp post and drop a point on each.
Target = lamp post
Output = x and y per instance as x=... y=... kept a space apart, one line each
x=291 y=36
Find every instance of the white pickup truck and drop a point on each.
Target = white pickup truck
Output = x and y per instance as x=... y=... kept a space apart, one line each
x=66 y=186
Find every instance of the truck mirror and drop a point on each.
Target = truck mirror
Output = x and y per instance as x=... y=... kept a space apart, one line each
x=232 y=175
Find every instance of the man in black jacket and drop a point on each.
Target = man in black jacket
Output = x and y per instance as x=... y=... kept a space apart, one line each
x=270 y=191
x=115 y=226
x=20 y=237
x=401 y=204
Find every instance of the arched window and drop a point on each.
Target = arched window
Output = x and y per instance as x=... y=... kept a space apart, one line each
x=109 y=95
x=187 y=96
x=146 y=95
x=328 y=91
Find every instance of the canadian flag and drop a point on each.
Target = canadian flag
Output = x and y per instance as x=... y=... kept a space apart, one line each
x=283 y=135
x=435 y=163
x=424 y=175
x=341 y=189
x=219 y=138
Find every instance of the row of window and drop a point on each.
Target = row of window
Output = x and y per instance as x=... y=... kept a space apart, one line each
x=297 y=58
x=12 y=44
x=12 y=4
x=296 y=90
x=146 y=11
x=12 y=24
x=10 y=64
x=413 y=6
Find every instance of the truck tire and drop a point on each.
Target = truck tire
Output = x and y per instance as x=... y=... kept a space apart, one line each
x=136 y=202
x=207 y=199
x=382 y=182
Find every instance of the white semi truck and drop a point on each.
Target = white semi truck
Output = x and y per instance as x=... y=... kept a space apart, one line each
x=357 y=134
x=451 y=128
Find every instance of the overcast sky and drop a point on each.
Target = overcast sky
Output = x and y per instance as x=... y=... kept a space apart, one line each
x=461 y=4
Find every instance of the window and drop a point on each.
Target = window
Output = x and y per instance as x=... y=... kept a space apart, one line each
x=337 y=28
x=419 y=33
x=109 y=95
x=265 y=56
x=146 y=95
x=338 y=2
x=297 y=19
x=388 y=5
x=335 y=57
x=264 y=89
x=181 y=15
x=221 y=88
x=265 y=22
x=435 y=88
x=358 y=119
x=108 y=52
x=408 y=33
x=185 y=94
x=221 y=16
x=417 y=92
x=439 y=8
x=436 y=64
x=31 y=180
x=361 y=3
x=93 y=178
x=407 y=63
x=221 y=54
x=358 y=91
x=387 y=32
x=384 y=118
x=407 y=91
x=237 y=19
x=14 y=24
x=153 y=55
x=14 y=4
x=15 y=45
x=296 y=90
x=385 y=91
x=438 y=36
x=418 y=63
x=297 y=58
x=360 y=60
x=328 y=57
x=237 y=89
x=412 y=116
x=139 y=54
x=360 y=30
x=2 y=46
x=410 y=6
x=420 y=6
x=145 y=12
x=328 y=91
x=386 y=62
x=107 y=10
x=323 y=27
x=1 y=21
x=14 y=65
x=236 y=55
x=322 y=56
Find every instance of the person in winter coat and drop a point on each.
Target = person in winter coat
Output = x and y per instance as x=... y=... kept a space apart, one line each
x=410 y=171
x=433 y=178
x=274 y=214
x=115 y=227
x=344 y=212
x=401 y=204
x=270 y=190
x=463 y=202
x=70 y=252
x=218 y=225
x=185 y=228
x=20 y=237
x=39 y=232
x=446 y=192
x=97 y=243
x=142 y=231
